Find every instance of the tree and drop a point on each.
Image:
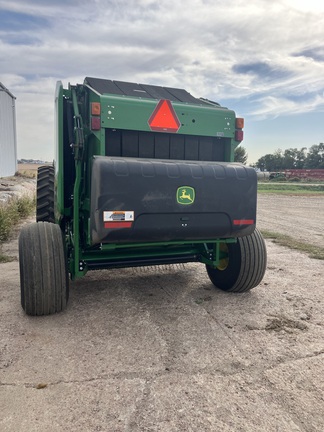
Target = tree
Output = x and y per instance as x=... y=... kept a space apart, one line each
x=294 y=158
x=315 y=157
x=240 y=155
x=301 y=158
x=271 y=162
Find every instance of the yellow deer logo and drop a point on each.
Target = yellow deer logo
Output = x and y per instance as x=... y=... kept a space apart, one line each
x=185 y=195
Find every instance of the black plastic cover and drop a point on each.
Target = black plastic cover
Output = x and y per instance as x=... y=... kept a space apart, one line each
x=122 y=88
x=157 y=145
x=139 y=200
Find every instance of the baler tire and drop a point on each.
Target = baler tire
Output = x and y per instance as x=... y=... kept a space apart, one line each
x=45 y=194
x=247 y=262
x=44 y=280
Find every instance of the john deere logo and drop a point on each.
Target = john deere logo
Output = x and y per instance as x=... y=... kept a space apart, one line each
x=185 y=195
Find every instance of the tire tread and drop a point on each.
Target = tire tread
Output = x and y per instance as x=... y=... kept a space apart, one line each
x=45 y=194
x=43 y=274
x=250 y=256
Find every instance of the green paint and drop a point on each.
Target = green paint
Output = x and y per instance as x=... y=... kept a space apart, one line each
x=122 y=112
x=59 y=162
x=126 y=113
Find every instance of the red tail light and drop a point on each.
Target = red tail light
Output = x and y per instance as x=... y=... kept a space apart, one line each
x=95 y=123
x=239 y=134
x=239 y=125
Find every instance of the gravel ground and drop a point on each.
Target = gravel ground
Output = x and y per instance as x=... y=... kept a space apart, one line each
x=162 y=350
x=301 y=217
x=16 y=187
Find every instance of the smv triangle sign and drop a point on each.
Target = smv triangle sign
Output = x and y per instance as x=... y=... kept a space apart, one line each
x=164 y=118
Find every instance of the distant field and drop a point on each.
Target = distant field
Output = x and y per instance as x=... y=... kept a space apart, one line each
x=29 y=169
x=291 y=188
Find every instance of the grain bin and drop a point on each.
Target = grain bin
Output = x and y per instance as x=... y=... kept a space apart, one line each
x=8 y=140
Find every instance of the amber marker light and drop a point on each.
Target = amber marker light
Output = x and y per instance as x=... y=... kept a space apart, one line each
x=95 y=108
x=239 y=123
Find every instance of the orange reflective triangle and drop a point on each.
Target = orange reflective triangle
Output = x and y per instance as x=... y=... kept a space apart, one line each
x=164 y=118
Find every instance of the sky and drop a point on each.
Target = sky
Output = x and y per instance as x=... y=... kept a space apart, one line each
x=262 y=58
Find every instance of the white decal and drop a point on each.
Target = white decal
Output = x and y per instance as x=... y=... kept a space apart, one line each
x=118 y=216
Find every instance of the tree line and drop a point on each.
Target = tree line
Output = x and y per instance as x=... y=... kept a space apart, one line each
x=291 y=158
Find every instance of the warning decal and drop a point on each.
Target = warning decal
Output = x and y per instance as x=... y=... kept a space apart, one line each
x=118 y=219
x=164 y=118
x=118 y=216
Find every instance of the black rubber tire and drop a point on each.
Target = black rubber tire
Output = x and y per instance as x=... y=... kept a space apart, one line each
x=45 y=194
x=44 y=279
x=247 y=262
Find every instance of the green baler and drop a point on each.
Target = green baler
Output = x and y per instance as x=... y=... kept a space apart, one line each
x=143 y=175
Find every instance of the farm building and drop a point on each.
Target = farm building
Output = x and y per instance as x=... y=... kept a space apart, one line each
x=8 y=140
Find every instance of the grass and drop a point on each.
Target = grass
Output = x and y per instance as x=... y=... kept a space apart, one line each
x=10 y=214
x=291 y=188
x=5 y=258
x=313 y=251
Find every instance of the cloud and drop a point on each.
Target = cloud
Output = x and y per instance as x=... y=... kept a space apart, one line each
x=262 y=71
x=315 y=53
x=263 y=57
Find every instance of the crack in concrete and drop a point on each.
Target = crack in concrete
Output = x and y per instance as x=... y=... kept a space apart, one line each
x=152 y=376
x=148 y=377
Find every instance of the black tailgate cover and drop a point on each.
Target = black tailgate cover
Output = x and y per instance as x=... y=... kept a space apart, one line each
x=141 y=200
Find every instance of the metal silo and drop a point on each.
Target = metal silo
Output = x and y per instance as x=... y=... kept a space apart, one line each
x=8 y=140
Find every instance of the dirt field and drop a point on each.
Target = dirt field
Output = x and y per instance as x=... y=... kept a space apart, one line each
x=301 y=217
x=28 y=168
x=162 y=350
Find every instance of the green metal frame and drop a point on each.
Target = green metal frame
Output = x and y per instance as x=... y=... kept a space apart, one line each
x=59 y=163
x=123 y=113
x=208 y=252
x=133 y=114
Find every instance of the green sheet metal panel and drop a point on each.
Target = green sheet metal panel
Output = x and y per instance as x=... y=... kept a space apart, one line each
x=122 y=112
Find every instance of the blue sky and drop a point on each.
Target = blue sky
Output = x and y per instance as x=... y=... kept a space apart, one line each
x=262 y=58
